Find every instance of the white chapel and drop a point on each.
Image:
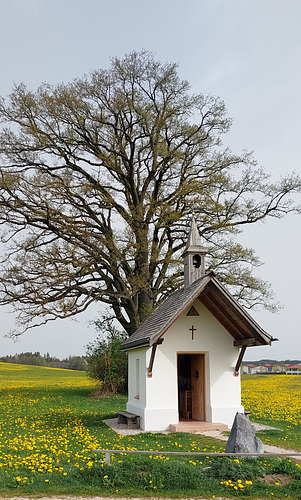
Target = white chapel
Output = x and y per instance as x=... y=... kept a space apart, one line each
x=184 y=360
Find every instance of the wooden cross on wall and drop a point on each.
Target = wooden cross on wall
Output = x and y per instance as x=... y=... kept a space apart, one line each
x=192 y=330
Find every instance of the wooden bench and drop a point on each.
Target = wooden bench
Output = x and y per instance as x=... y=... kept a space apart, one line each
x=130 y=419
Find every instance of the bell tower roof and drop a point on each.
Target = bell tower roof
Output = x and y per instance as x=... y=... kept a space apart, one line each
x=194 y=256
x=194 y=241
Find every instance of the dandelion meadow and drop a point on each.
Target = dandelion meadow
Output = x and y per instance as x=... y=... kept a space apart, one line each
x=275 y=400
x=50 y=423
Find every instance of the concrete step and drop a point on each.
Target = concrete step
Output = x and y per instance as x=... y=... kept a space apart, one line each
x=194 y=426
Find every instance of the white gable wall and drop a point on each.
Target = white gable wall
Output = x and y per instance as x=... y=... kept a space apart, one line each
x=158 y=399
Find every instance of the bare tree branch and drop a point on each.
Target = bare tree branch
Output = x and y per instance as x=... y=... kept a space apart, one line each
x=97 y=178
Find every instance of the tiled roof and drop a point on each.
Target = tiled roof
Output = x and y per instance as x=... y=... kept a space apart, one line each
x=163 y=317
x=217 y=299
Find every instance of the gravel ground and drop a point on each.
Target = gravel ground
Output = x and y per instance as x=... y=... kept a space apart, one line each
x=267 y=447
x=124 y=431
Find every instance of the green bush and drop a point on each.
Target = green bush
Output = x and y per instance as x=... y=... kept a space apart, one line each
x=106 y=362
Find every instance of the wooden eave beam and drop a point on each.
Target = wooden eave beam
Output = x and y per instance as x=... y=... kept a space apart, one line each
x=224 y=320
x=247 y=342
x=152 y=359
x=240 y=357
x=231 y=319
x=244 y=318
x=238 y=331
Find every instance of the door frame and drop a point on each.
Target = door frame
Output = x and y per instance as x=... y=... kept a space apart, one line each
x=202 y=376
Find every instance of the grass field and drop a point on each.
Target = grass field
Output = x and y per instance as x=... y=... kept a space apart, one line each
x=50 y=424
x=275 y=400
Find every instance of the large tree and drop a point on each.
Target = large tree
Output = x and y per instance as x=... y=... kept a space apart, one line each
x=98 y=179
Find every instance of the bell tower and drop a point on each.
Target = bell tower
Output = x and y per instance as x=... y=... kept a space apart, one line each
x=194 y=256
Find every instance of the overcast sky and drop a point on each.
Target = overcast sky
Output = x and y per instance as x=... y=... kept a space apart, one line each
x=247 y=52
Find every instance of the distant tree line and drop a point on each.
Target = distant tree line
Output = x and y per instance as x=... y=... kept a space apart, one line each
x=273 y=362
x=29 y=358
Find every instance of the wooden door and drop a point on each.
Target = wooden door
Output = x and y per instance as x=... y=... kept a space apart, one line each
x=198 y=386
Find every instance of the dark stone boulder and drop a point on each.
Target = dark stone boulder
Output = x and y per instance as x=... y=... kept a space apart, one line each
x=242 y=437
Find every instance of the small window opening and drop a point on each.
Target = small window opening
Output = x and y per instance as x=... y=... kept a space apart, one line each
x=137 y=380
x=196 y=261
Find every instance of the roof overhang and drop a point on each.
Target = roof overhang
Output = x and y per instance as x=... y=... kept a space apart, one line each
x=136 y=344
x=236 y=320
x=244 y=330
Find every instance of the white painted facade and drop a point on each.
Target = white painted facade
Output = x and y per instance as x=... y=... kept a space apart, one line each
x=155 y=399
x=205 y=333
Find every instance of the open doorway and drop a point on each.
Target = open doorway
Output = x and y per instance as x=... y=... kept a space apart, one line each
x=191 y=386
